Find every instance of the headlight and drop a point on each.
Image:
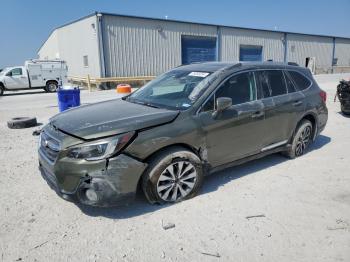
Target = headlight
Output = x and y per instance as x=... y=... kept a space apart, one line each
x=98 y=150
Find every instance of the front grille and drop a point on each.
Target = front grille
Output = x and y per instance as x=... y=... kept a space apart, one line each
x=49 y=146
x=49 y=178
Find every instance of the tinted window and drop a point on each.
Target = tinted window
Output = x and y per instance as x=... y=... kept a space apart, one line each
x=209 y=105
x=240 y=88
x=290 y=85
x=272 y=83
x=264 y=82
x=301 y=81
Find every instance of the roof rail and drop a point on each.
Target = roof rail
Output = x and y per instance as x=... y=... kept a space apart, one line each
x=234 y=66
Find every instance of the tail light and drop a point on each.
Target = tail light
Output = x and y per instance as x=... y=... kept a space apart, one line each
x=323 y=95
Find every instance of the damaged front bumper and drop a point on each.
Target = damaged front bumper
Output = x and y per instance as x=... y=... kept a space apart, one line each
x=105 y=182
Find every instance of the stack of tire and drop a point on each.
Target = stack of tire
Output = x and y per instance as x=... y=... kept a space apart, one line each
x=343 y=94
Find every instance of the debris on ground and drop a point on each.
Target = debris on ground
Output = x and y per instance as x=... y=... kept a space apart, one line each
x=248 y=217
x=22 y=122
x=167 y=226
x=211 y=254
x=36 y=132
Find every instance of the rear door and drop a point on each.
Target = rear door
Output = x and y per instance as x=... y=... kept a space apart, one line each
x=281 y=103
x=238 y=131
x=16 y=78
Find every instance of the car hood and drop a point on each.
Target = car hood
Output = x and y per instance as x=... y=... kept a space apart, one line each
x=110 y=118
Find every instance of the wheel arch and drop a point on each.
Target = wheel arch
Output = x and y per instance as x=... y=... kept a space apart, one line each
x=168 y=147
x=51 y=80
x=154 y=154
x=312 y=117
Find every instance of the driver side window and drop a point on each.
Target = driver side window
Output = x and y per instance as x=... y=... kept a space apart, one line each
x=240 y=88
x=16 y=72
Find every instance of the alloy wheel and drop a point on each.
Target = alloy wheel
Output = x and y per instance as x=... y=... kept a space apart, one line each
x=303 y=141
x=177 y=181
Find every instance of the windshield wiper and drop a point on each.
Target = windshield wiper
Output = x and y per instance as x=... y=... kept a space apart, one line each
x=142 y=103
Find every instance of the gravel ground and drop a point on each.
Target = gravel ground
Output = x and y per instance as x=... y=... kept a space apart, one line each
x=303 y=205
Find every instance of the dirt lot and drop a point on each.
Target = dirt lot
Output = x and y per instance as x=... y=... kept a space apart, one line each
x=305 y=203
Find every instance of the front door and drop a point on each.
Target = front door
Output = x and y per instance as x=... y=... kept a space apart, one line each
x=237 y=131
x=16 y=79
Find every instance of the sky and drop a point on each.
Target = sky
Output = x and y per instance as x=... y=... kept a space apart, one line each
x=26 y=24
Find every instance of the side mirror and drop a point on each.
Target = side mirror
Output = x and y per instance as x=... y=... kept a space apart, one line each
x=222 y=103
x=9 y=73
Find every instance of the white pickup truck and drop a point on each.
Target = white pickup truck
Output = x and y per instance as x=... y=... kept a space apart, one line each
x=46 y=74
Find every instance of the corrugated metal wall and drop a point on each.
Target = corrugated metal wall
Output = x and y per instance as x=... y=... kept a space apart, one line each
x=139 y=47
x=232 y=38
x=72 y=43
x=302 y=46
x=342 y=51
x=49 y=49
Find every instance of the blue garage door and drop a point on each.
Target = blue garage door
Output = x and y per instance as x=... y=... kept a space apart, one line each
x=198 y=49
x=250 y=53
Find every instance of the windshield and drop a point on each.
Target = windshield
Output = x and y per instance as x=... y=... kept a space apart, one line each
x=177 y=89
x=3 y=71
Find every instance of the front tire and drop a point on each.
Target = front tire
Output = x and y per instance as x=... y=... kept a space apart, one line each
x=1 y=90
x=174 y=175
x=301 y=140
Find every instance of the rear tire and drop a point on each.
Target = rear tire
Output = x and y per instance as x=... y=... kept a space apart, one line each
x=1 y=90
x=51 y=87
x=173 y=175
x=301 y=140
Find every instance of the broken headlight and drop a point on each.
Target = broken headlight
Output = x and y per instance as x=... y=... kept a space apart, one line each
x=98 y=150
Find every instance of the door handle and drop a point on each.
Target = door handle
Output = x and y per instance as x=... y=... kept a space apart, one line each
x=297 y=103
x=258 y=114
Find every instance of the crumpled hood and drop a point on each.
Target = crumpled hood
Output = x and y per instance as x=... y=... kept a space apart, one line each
x=110 y=118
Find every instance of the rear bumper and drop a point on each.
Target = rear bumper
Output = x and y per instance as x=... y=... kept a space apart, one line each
x=114 y=181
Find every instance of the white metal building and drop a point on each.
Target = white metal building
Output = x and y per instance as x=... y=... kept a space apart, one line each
x=103 y=45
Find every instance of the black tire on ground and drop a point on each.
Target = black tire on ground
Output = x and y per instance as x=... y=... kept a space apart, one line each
x=345 y=112
x=1 y=90
x=22 y=122
x=301 y=140
x=179 y=160
x=51 y=86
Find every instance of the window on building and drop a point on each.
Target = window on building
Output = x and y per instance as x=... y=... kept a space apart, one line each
x=240 y=88
x=301 y=81
x=86 y=60
x=250 y=53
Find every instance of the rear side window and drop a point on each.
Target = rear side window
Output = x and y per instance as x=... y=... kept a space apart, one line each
x=240 y=88
x=272 y=83
x=301 y=81
x=290 y=85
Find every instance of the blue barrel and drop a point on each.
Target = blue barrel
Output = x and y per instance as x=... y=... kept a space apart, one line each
x=68 y=98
